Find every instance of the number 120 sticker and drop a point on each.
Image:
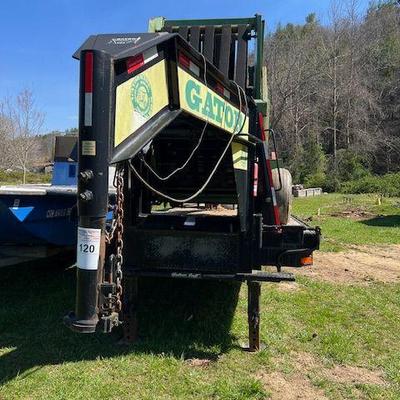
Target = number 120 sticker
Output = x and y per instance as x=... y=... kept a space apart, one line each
x=88 y=248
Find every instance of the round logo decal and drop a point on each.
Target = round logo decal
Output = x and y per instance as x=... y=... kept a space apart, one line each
x=142 y=96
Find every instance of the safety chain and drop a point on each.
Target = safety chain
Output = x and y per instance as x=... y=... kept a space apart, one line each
x=119 y=177
x=116 y=233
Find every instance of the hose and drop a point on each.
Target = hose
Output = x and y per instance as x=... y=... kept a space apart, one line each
x=166 y=196
x=164 y=178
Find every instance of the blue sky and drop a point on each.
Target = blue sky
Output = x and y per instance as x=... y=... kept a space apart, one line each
x=39 y=36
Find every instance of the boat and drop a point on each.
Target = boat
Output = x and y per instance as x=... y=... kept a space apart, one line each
x=43 y=214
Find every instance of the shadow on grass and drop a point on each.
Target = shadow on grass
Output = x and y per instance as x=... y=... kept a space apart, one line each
x=384 y=221
x=189 y=319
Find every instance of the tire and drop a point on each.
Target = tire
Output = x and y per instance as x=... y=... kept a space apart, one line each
x=283 y=196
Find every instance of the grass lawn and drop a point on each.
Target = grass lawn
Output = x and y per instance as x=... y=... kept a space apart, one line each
x=352 y=219
x=191 y=333
x=16 y=177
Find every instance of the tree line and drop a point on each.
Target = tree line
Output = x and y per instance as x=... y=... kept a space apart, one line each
x=335 y=93
x=334 y=90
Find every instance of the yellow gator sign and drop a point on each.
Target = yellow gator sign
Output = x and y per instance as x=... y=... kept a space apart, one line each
x=138 y=99
x=198 y=100
x=143 y=96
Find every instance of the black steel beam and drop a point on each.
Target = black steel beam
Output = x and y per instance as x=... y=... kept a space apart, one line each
x=183 y=31
x=94 y=136
x=253 y=314
x=209 y=42
x=226 y=37
x=256 y=276
x=241 y=59
x=194 y=39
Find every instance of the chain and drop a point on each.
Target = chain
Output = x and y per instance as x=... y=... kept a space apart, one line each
x=116 y=233
x=119 y=177
x=111 y=232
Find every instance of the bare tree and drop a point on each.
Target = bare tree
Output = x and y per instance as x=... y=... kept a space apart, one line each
x=5 y=129
x=333 y=86
x=26 y=122
x=337 y=86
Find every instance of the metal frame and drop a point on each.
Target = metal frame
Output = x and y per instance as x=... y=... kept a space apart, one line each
x=256 y=24
x=258 y=241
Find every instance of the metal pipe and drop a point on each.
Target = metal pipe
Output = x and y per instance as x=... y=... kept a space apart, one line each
x=94 y=123
x=253 y=314
x=259 y=55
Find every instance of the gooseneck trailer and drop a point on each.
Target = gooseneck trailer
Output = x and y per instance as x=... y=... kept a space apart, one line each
x=183 y=116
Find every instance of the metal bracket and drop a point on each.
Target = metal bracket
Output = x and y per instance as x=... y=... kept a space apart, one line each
x=109 y=322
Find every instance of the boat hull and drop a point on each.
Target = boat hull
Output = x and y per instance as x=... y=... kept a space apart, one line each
x=49 y=219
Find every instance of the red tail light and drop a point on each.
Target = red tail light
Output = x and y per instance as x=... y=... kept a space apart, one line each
x=183 y=60
x=255 y=180
x=261 y=123
x=89 y=72
x=219 y=88
x=134 y=63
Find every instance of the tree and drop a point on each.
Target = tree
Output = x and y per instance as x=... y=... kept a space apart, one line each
x=336 y=88
x=26 y=121
x=294 y=66
x=381 y=29
x=5 y=129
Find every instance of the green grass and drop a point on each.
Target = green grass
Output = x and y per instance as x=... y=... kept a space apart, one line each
x=179 y=320
x=381 y=227
x=16 y=177
x=338 y=324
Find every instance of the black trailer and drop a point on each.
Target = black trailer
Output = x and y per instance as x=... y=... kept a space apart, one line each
x=183 y=115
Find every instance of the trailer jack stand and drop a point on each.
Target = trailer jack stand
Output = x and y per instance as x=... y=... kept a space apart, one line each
x=80 y=326
x=253 y=314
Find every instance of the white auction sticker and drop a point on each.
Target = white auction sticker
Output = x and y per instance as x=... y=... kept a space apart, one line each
x=88 y=248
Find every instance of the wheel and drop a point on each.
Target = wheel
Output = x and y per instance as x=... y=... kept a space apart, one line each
x=283 y=196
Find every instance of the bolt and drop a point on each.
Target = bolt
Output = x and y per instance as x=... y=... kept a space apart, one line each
x=87 y=195
x=86 y=175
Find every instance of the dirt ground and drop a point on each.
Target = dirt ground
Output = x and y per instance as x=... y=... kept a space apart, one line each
x=297 y=384
x=358 y=265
